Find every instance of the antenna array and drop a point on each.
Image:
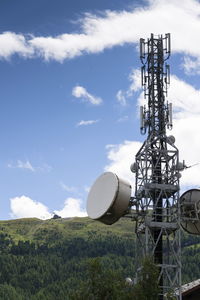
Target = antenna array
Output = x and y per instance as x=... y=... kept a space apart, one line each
x=155 y=75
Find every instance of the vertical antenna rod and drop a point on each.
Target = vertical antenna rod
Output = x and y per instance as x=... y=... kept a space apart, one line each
x=157 y=176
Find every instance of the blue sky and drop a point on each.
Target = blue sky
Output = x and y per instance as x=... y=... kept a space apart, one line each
x=70 y=88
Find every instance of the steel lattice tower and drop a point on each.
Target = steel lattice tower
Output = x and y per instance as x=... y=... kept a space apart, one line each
x=157 y=171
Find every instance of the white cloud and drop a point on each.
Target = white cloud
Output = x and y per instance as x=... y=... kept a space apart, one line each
x=80 y=92
x=135 y=79
x=72 y=208
x=186 y=105
x=121 y=97
x=12 y=43
x=44 y=168
x=120 y=159
x=135 y=85
x=69 y=189
x=22 y=165
x=117 y=28
x=26 y=165
x=191 y=65
x=25 y=207
x=87 y=189
x=185 y=99
x=186 y=131
x=123 y=119
x=88 y=122
x=112 y=28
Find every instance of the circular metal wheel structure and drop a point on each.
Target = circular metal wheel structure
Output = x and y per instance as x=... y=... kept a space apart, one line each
x=190 y=211
x=108 y=199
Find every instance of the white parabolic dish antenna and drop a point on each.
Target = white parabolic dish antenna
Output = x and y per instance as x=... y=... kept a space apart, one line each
x=109 y=198
x=190 y=211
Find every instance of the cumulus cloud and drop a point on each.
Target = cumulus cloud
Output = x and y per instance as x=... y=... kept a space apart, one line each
x=12 y=43
x=121 y=157
x=72 y=208
x=186 y=106
x=191 y=65
x=114 y=28
x=185 y=99
x=88 y=122
x=81 y=92
x=25 y=207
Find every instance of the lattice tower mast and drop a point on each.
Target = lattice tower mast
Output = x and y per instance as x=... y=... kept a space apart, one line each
x=157 y=171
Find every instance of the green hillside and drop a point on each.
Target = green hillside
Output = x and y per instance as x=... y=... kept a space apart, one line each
x=44 y=260
x=36 y=230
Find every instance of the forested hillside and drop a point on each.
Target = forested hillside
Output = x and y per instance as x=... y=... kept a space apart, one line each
x=44 y=260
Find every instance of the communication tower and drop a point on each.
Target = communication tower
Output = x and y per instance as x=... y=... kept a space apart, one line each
x=157 y=170
x=156 y=207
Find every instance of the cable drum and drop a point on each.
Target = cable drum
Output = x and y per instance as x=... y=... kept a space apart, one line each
x=190 y=211
x=109 y=198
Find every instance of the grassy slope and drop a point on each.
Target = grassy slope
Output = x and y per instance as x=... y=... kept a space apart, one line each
x=41 y=231
x=38 y=230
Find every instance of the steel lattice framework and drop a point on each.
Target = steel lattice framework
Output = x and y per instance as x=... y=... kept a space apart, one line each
x=157 y=173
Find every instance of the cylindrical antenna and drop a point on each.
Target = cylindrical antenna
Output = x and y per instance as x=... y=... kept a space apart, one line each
x=168 y=43
x=142 y=120
x=143 y=77
x=170 y=123
x=142 y=49
x=167 y=67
